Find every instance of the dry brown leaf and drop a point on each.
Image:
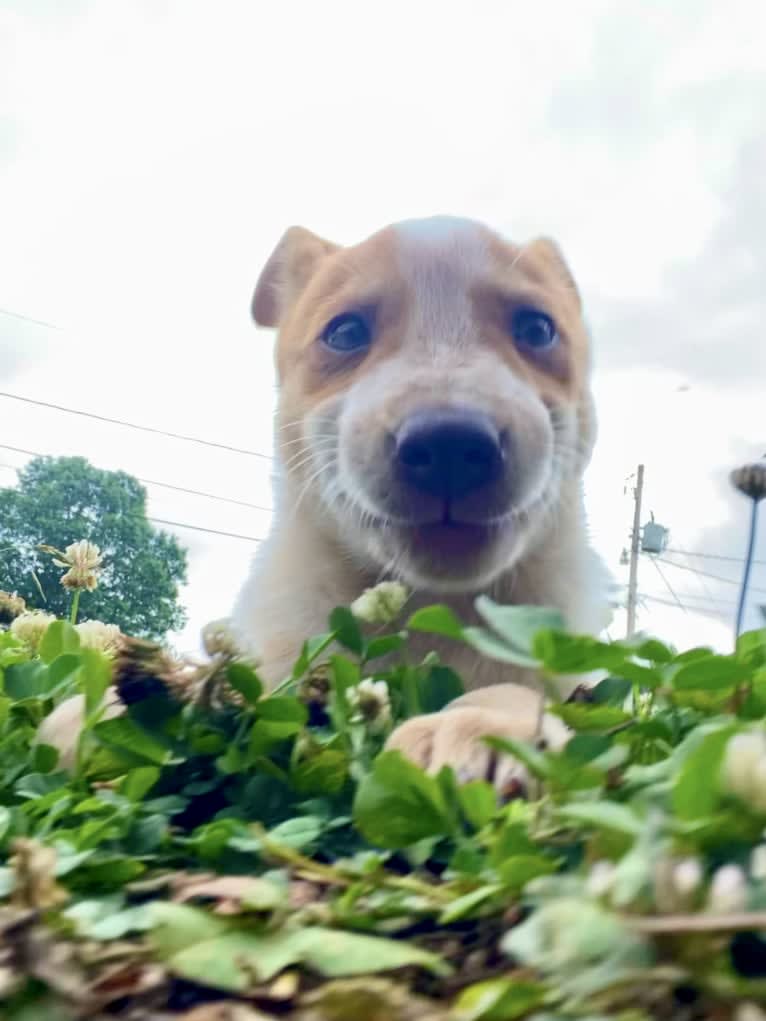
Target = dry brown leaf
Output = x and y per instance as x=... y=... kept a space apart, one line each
x=370 y=998
x=14 y=921
x=231 y=892
x=284 y=988
x=114 y=952
x=10 y=981
x=125 y=980
x=302 y=893
x=156 y=883
x=34 y=867
x=225 y=1010
x=55 y=962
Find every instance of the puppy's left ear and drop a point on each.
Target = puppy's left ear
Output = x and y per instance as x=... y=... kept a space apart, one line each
x=547 y=251
x=288 y=270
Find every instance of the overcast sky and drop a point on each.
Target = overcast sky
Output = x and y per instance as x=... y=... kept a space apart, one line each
x=151 y=154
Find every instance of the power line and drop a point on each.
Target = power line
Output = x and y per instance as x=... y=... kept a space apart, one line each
x=703 y=610
x=154 y=482
x=710 y=556
x=668 y=586
x=685 y=596
x=702 y=582
x=705 y=574
x=199 y=528
x=28 y=319
x=696 y=597
x=135 y=425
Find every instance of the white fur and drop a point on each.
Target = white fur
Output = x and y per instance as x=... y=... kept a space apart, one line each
x=439 y=257
x=337 y=540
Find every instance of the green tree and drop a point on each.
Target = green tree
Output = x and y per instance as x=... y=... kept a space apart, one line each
x=60 y=500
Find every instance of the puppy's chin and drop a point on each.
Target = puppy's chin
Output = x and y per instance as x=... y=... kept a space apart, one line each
x=454 y=556
x=447 y=558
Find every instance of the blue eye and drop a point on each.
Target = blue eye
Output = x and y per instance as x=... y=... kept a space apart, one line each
x=532 y=329
x=347 y=333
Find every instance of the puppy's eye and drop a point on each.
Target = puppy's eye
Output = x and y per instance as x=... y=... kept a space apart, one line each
x=533 y=330
x=347 y=333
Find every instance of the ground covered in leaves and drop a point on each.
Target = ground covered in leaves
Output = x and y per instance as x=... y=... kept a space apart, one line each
x=219 y=855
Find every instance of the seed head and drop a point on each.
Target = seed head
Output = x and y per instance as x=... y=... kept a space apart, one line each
x=750 y=479
x=83 y=560
x=370 y=704
x=144 y=669
x=11 y=606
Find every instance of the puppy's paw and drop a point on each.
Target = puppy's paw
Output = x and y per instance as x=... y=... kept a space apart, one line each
x=453 y=738
x=62 y=728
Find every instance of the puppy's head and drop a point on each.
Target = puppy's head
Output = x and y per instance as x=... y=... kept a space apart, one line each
x=434 y=393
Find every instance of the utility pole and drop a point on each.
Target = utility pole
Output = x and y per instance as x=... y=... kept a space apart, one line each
x=635 y=545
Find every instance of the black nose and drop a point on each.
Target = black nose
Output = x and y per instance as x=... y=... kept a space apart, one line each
x=449 y=453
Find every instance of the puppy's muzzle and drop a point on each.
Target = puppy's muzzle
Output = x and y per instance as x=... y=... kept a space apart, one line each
x=445 y=459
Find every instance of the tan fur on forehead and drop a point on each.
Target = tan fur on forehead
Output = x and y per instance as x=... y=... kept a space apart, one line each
x=474 y=248
x=440 y=258
x=443 y=237
x=429 y=281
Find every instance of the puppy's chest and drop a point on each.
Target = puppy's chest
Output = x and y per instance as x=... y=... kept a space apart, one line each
x=475 y=670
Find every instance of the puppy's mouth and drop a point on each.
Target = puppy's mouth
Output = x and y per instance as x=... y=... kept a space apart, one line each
x=452 y=535
x=450 y=538
x=452 y=553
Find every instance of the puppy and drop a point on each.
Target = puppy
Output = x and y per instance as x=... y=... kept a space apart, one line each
x=434 y=423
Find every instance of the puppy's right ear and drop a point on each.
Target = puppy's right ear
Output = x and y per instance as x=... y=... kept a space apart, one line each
x=287 y=272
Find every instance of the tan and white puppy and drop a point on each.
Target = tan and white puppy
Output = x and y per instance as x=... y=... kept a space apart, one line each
x=434 y=423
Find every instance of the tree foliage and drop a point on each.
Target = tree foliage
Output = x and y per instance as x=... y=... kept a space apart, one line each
x=61 y=500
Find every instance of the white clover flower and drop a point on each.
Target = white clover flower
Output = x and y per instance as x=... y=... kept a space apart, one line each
x=568 y=933
x=728 y=891
x=370 y=704
x=758 y=863
x=30 y=627
x=749 y=1012
x=94 y=634
x=744 y=768
x=644 y=700
x=600 y=878
x=84 y=561
x=676 y=881
x=687 y=877
x=381 y=604
x=218 y=638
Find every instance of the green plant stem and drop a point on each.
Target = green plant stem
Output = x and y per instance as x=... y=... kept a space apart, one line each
x=329 y=874
x=75 y=606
